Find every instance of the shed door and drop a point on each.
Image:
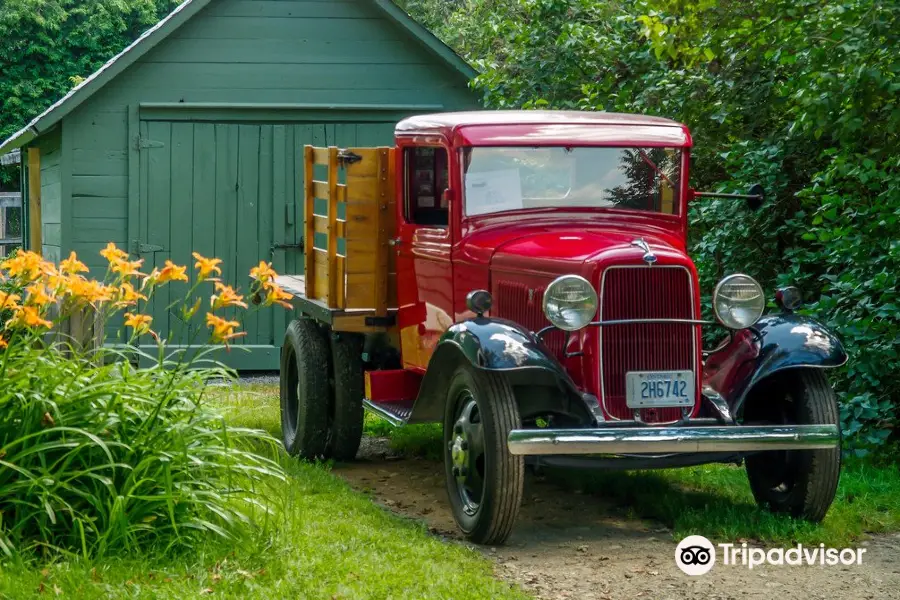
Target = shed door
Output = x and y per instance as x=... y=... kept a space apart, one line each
x=231 y=191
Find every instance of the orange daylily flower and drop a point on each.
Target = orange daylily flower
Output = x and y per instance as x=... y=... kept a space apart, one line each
x=171 y=272
x=37 y=295
x=140 y=323
x=226 y=297
x=29 y=317
x=9 y=301
x=207 y=266
x=264 y=272
x=276 y=295
x=222 y=330
x=24 y=264
x=113 y=254
x=72 y=265
x=89 y=290
x=3 y=343
x=128 y=296
x=126 y=268
x=48 y=269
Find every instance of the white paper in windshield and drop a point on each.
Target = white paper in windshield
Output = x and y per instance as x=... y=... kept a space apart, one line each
x=493 y=191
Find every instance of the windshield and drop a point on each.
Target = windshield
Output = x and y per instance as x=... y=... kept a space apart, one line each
x=499 y=179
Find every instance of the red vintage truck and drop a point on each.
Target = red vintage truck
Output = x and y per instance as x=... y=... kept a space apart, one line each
x=522 y=277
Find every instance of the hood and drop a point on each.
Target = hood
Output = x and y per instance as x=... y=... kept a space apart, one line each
x=571 y=250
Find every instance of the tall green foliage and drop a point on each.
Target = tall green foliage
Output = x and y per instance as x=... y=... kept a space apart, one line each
x=47 y=45
x=799 y=95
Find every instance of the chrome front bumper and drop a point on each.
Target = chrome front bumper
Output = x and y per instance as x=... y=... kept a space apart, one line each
x=672 y=440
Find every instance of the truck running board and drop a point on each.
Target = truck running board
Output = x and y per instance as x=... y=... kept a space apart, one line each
x=395 y=413
x=390 y=394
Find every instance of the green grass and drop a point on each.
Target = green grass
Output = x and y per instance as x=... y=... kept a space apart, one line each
x=419 y=441
x=326 y=541
x=715 y=501
x=712 y=500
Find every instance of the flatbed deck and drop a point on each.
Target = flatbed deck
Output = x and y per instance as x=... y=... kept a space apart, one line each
x=360 y=320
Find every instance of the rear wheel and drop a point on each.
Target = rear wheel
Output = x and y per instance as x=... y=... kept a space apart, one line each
x=304 y=389
x=345 y=412
x=484 y=481
x=801 y=483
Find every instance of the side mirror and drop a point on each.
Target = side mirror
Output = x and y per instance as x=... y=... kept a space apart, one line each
x=755 y=196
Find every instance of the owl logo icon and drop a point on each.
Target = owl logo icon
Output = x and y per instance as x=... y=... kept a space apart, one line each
x=695 y=555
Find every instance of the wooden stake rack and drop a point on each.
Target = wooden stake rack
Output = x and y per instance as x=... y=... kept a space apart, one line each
x=348 y=263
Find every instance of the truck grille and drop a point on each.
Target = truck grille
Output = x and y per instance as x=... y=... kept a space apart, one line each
x=514 y=303
x=644 y=293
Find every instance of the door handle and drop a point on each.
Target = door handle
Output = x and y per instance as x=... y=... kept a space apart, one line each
x=395 y=241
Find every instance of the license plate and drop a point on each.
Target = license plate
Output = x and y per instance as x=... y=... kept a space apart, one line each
x=654 y=389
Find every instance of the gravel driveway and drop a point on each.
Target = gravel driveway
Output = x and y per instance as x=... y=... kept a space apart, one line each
x=569 y=545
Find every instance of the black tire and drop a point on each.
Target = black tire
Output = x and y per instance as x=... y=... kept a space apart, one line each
x=801 y=483
x=482 y=401
x=345 y=412
x=304 y=389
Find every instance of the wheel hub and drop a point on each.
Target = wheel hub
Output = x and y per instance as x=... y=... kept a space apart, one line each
x=459 y=453
x=466 y=448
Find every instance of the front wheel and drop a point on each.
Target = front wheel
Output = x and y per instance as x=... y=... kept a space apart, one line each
x=484 y=481
x=801 y=483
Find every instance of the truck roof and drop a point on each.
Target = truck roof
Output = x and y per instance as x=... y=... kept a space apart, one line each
x=547 y=127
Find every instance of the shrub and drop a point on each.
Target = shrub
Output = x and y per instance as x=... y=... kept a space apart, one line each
x=98 y=456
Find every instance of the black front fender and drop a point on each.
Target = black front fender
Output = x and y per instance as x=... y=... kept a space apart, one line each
x=503 y=346
x=774 y=344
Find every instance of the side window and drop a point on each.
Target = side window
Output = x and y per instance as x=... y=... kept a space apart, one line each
x=426 y=180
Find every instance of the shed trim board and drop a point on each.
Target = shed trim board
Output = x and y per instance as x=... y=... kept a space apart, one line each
x=178 y=17
x=280 y=113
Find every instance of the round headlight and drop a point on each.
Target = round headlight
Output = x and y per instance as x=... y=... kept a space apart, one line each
x=570 y=302
x=738 y=301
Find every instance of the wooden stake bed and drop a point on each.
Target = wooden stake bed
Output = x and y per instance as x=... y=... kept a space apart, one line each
x=348 y=263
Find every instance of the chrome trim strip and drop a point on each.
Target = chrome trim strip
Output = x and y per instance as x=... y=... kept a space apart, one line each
x=600 y=336
x=384 y=414
x=541 y=332
x=672 y=440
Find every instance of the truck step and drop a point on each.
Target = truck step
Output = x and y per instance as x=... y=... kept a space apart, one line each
x=396 y=413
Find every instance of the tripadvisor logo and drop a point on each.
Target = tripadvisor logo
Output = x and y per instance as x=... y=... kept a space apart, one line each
x=696 y=555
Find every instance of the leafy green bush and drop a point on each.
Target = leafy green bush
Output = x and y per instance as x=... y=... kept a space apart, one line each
x=797 y=95
x=47 y=46
x=99 y=459
x=98 y=456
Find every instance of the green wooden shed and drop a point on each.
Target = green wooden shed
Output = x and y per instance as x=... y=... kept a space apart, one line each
x=191 y=138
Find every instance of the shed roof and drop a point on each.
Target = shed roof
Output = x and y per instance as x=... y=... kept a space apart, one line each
x=159 y=32
x=13 y=158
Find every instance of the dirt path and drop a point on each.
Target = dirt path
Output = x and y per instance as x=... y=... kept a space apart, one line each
x=569 y=545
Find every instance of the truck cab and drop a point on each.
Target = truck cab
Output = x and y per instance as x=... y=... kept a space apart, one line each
x=539 y=301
